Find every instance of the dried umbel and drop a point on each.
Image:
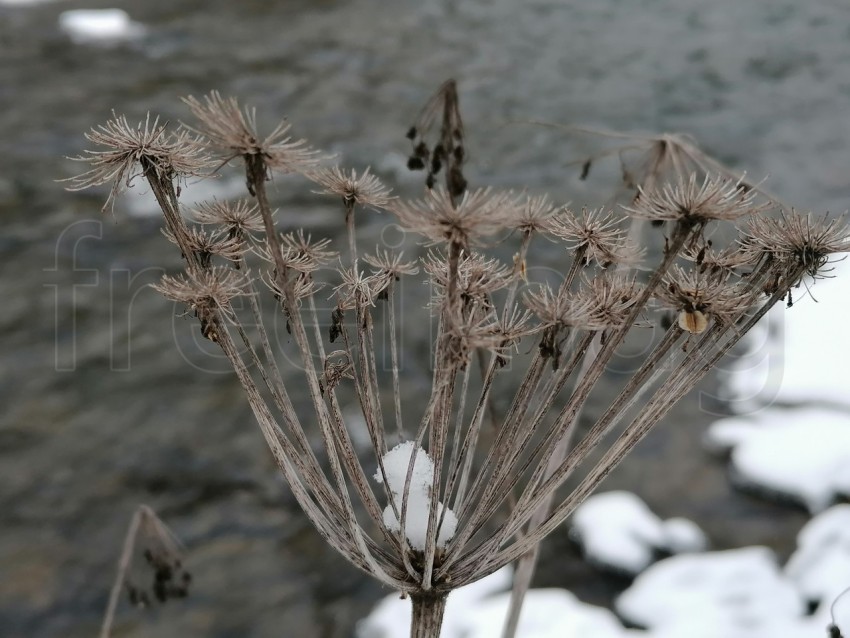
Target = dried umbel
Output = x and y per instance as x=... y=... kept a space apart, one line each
x=460 y=484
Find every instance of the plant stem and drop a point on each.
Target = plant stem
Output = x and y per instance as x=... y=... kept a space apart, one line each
x=428 y=612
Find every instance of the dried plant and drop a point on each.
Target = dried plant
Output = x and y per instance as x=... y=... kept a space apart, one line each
x=148 y=538
x=447 y=505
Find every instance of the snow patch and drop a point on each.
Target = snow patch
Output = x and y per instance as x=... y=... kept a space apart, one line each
x=102 y=26
x=618 y=530
x=803 y=454
x=820 y=567
x=737 y=593
x=798 y=355
x=396 y=463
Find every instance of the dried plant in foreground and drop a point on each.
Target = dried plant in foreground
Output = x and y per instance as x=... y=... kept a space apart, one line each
x=149 y=537
x=463 y=483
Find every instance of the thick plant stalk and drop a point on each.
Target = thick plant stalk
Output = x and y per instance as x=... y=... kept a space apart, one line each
x=428 y=611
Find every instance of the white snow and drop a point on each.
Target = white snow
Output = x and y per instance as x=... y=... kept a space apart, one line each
x=396 y=463
x=618 y=530
x=99 y=25
x=391 y=617
x=546 y=613
x=820 y=567
x=803 y=453
x=416 y=523
x=475 y=612
x=800 y=353
x=737 y=593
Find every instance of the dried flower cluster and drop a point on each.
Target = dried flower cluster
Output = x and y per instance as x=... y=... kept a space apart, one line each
x=496 y=469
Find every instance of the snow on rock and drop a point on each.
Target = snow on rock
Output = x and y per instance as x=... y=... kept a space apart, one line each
x=820 y=567
x=797 y=355
x=546 y=613
x=800 y=454
x=396 y=463
x=99 y=26
x=617 y=530
x=732 y=594
x=391 y=617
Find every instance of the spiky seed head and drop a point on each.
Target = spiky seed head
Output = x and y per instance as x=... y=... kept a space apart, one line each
x=696 y=202
x=364 y=189
x=239 y=217
x=231 y=131
x=129 y=152
x=478 y=214
x=597 y=233
x=206 y=245
x=804 y=242
x=709 y=293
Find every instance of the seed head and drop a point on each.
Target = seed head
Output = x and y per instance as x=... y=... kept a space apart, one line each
x=708 y=294
x=208 y=244
x=129 y=152
x=597 y=233
x=206 y=292
x=558 y=310
x=478 y=214
x=478 y=277
x=365 y=189
x=797 y=241
x=232 y=132
x=358 y=288
x=611 y=298
x=238 y=218
x=696 y=203
x=534 y=214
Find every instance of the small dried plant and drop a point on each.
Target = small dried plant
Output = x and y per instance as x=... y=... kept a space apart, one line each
x=147 y=538
x=466 y=487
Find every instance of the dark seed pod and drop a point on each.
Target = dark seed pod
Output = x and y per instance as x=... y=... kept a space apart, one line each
x=336 y=324
x=456 y=182
x=585 y=170
x=415 y=163
x=411 y=133
x=436 y=164
x=421 y=150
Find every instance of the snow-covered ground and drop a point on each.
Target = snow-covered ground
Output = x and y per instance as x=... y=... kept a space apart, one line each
x=741 y=593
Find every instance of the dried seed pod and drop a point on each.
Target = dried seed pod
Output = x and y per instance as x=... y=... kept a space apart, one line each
x=694 y=321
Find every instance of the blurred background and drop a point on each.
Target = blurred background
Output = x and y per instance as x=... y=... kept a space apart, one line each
x=100 y=410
